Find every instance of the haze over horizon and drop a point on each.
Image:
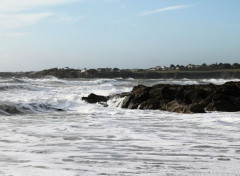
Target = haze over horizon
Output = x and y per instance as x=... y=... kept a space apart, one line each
x=40 y=34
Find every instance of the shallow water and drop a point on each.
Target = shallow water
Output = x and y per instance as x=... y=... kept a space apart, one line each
x=85 y=139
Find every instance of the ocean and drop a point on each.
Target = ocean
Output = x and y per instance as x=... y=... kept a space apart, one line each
x=47 y=130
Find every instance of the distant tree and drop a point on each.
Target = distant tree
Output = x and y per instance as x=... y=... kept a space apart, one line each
x=220 y=66
x=213 y=66
x=236 y=65
x=116 y=69
x=92 y=71
x=204 y=66
x=182 y=67
x=227 y=66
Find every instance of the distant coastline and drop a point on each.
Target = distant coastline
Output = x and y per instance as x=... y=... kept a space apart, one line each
x=217 y=71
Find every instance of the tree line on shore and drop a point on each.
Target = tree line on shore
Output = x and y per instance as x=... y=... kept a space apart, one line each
x=204 y=66
x=221 y=70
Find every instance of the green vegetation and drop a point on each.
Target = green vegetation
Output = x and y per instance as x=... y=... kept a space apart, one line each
x=190 y=71
x=198 y=71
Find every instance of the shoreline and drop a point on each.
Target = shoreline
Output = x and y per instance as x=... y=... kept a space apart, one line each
x=171 y=74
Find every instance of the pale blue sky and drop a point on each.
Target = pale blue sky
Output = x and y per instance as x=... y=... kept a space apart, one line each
x=39 y=34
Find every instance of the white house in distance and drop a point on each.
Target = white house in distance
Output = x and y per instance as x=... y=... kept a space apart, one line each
x=83 y=70
x=151 y=69
x=190 y=66
x=162 y=68
x=158 y=68
x=104 y=69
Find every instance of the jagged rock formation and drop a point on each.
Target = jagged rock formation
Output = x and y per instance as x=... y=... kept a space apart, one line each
x=183 y=98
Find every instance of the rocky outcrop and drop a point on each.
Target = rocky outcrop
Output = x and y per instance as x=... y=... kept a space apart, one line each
x=184 y=98
x=93 y=98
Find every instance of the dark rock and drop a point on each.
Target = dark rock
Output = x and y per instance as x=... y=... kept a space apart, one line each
x=93 y=98
x=179 y=98
x=197 y=108
x=185 y=98
x=58 y=109
x=126 y=101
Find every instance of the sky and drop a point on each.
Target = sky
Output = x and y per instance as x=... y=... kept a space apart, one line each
x=42 y=34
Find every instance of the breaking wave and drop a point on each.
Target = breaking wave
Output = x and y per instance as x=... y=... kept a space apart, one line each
x=90 y=139
x=18 y=87
x=23 y=108
x=19 y=96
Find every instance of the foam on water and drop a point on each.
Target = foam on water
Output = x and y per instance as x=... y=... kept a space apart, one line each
x=89 y=139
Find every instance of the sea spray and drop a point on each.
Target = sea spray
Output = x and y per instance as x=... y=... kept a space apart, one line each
x=90 y=139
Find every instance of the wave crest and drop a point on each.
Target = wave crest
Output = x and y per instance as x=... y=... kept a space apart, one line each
x=14 y=108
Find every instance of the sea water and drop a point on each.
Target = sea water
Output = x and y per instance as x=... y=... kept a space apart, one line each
x=47 y=130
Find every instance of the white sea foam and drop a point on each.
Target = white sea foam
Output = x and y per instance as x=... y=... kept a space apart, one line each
x=89 y=139
x=218 y=81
